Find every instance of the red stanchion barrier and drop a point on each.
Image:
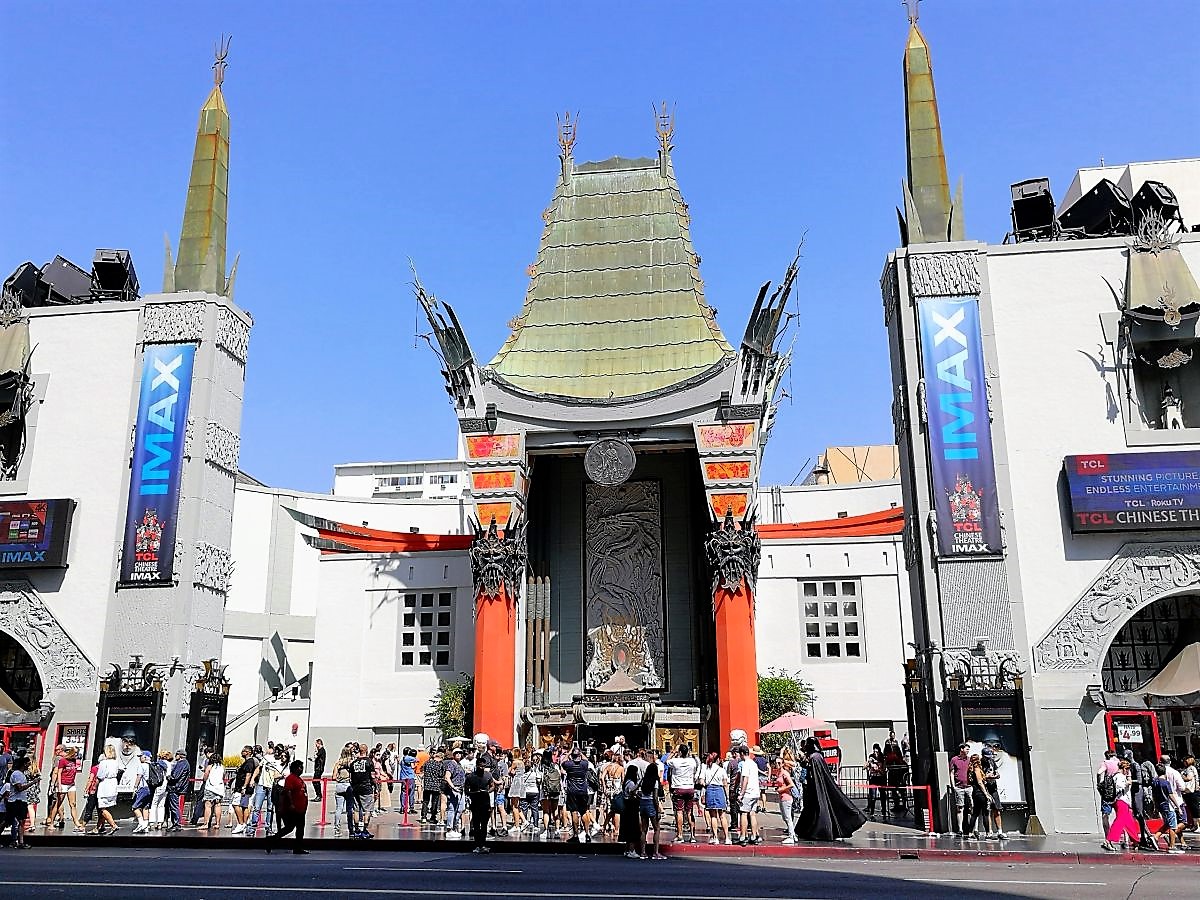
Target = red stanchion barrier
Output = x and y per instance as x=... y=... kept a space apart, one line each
x=324 y=800
x=405 y=799
x=902 y=787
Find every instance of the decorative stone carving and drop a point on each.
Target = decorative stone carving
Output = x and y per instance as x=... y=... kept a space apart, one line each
x=888 y=288
x=910 y=543
x=61 y=664
x=233 y=335
x=900 y=415
x=189 y=430
x=609 y=461
x=986 y=671
x=212 y=568
x=472 y=425
x=944 y=274
x=222 y=447
x=499 y=562
x=733 y=553
x=171 y=323
x=1135 y=578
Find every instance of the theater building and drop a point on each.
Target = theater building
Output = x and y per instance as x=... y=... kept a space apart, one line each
x=1046 y=414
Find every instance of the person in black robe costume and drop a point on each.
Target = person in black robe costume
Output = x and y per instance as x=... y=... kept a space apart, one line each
x=828 y=814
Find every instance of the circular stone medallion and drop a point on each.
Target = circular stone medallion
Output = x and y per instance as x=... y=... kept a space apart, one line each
x=609 y=461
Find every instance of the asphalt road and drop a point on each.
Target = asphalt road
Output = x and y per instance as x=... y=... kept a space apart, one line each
x=138 y=874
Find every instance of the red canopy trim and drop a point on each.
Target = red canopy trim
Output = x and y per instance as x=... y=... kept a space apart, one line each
x=874 y=524
x=339 y=537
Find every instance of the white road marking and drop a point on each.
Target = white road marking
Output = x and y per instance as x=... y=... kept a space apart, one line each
x=422 y=892
x=1012 y=881
x=430 y=869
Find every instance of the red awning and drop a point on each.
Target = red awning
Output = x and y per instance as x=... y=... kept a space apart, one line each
x=884 y=522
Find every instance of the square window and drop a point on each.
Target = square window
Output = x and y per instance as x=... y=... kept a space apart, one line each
x=426 y=620
x=810 y=589
x=831 y=608
x=410 y=599
x=832 y=649
x=444 y=618
x=814 y=650
x=849 y=589
x=850 y=629
x=407 y=639
x=850 y=609
x=811 y=610
x=410 y=619
x=406 y=659
x=443 y=657
x=829 y=588
x=853 y=650
x=426 y=639
x=831 y=629
x=812 y=629
x=427 y=599
x=444 y=599
x=426 y=659
x=443 y=639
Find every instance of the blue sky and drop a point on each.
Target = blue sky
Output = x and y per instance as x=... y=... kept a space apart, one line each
x=368 y=133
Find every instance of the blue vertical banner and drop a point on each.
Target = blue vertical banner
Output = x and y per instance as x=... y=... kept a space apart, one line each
x=960 y=431
x=154 y=482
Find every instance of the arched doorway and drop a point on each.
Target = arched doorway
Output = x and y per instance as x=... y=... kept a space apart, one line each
x=1144 y=652
x=20 y=683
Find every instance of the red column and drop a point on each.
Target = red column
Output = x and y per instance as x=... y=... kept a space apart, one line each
x=737 y=666
x=495 y=666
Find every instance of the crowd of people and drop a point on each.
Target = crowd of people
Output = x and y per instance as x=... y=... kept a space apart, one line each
x=468 y=788
x=1132 y=792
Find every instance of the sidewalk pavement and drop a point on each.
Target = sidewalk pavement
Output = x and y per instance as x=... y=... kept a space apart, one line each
x=876 y=840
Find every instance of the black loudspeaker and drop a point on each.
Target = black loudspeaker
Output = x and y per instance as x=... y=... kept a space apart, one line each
x=1032 y=210
x=113 y=277
x=1104 y=210
x=1154 y=196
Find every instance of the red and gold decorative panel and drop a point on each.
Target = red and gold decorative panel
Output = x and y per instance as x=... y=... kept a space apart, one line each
x=494 y=480
x=493 y=446
x=722 y=502
x=498 y=511
x=731 y=470
x=726 y=437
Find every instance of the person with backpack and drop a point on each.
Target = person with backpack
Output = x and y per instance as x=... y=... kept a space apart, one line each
x=360 y=792
x=1169 y=805
x=550 y=787
x=292 y=806
x=1123 y=829
x=453 y=783
x=1105 y=787
x=179 y=782
x=156 y=780
x=17 y=789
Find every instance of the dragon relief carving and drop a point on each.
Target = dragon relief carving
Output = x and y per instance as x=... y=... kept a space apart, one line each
x=60 y=662
x=1135 y=578
x=733 y=553
x=498 y=562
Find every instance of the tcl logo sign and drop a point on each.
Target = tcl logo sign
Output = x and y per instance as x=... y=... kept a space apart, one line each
x=1091 y=465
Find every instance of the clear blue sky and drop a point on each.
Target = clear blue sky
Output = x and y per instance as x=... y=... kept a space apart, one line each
x=367 y=133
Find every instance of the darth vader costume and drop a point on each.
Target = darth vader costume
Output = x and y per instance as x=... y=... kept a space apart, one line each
x=828 y=813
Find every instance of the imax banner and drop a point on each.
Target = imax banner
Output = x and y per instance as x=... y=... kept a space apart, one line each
x=150 y=518
x=960 y=434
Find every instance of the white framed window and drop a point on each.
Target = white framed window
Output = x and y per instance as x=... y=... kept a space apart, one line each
x=443 y=479
x=425 y=638
x=398 y=480
x=831 y=618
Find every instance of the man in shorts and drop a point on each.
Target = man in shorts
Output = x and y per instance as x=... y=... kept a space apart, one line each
x=243 y=789
x=749 y=792
x=575 y=771
x=685 y=769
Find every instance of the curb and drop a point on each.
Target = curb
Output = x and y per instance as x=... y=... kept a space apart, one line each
x=836 y=852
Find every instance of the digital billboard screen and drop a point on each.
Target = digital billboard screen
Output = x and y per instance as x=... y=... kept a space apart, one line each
x=34 y=533
x=1134 y=491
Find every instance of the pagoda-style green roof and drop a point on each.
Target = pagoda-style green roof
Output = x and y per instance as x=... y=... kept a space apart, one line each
x=615 y=307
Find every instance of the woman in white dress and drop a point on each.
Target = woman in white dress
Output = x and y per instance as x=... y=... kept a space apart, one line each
x=108 y=773
x=214 y=791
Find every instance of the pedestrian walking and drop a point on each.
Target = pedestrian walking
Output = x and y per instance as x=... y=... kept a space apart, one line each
x=142 y=794
x=630 y=832
x=179 y=781
x=478 y=787
x=360 y=793
x=650 y=797
x=749 y=794
x=685 y=770
x=789 y=793
x=157 y=781
x=292 y=807
x=1124 y=829
x=433 y=773
x=827 y=813
x=452 y=787
x=17 y=790
x=214 y=790
x=318 y=768
x=714 y=781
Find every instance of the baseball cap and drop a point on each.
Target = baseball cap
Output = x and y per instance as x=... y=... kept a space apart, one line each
x=181 y=752
x=146 y=754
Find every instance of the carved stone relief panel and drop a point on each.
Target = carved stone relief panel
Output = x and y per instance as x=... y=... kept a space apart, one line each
x=944 y=274
x=60 y=662
x=221 y=447
x=169 y=323
x=233 y=335
x=1135 y=578
x=212 y=568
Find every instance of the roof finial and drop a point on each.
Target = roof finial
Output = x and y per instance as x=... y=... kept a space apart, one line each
x=914 y=10
x=221 y=52
x=566 y=131
x=664 y=125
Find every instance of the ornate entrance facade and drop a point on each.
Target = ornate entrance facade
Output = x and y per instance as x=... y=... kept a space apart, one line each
x=613 y=447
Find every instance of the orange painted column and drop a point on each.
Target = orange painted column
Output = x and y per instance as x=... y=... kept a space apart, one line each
x=737 y=665
x=495 y=666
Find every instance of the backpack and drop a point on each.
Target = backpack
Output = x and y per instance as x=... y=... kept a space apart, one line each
x=551 y=782
x=1107 y=788
x=154 y=777
x=593 y=779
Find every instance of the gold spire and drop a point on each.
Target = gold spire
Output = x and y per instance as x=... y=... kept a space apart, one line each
x=201 y=262
x=929 y=213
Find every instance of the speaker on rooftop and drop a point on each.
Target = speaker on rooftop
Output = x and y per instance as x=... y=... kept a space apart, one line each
x=1154 y=196
x=1103 y=211
x=113 y=277
x=1033 y=210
